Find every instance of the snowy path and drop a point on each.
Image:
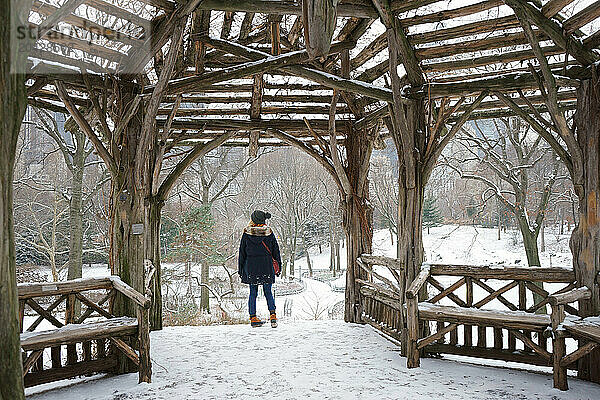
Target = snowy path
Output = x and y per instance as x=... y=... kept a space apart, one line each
x=307 y=359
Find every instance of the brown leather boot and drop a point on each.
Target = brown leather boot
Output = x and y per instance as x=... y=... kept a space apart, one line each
x=255 y=321
x=273 y=319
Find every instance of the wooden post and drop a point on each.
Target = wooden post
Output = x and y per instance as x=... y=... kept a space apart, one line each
x=498 y=338
x=55 y=356
x=319 y=19
x=558 y=348
x=412 y=325
x=69 y=319
x=468 y=329
x=585 y=239
x=145 y=369
x=13 y=93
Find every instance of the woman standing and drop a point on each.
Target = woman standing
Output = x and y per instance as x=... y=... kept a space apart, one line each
x=258 y=250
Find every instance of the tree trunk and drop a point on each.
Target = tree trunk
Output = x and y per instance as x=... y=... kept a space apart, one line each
x=585 y=239
x=533 y=256
x=331 y=249
x=338 y=256
x=204 y=293
x=499 y=218
x=127 y=222
x=308 y=263
x=530 y=243
x=357 y=218
x=12 y=109
x=293 y=256
x=76 y=213
x=542 y=238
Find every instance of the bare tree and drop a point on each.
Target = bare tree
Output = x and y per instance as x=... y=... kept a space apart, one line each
x=512 y=156
x=76 y=152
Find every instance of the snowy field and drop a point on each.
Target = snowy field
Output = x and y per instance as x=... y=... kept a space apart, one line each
x=474 y=245
x=306 y=360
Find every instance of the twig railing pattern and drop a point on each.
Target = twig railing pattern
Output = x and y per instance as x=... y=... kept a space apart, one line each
x=86 y=343
x=380 y=300
x=519 y=312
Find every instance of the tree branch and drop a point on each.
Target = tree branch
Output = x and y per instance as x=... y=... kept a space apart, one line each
x=198 y=151
x=85 y=126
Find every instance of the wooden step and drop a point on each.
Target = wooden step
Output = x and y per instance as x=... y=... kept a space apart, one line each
x=73 y=333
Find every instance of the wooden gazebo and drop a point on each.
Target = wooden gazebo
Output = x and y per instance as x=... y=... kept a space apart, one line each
x=144 y=78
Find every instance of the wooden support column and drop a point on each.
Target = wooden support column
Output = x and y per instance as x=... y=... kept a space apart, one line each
x=418 y=144
x=12 y=109
x=358 y=214
x=585 y=240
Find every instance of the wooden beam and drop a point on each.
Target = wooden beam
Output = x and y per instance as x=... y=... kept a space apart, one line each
x=138 y=59
x=552 y=7
x=473 y=28
x=332 y=81
x=198 y=151
x=259 y=66
x=85 y=126
x=470 y=46
x=524 y=10
x=505 y=83
x=453 y=13
x=226 y=27
x=57 y=16
x=519 y=55
x=85 y=24
x=92 y=49
x=119 y=12
x=246 y=26
x=582 y=18
x=345 y=9
x=592 y=41
x=257 y=97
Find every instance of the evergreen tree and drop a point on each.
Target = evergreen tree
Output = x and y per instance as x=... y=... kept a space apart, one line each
x=195 y=242
x=431 y=213
x=195 y=237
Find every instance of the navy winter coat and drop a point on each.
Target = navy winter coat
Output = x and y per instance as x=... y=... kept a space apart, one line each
x=255 y=264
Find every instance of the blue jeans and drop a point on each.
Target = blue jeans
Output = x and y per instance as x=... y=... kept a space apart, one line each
x=254 y=294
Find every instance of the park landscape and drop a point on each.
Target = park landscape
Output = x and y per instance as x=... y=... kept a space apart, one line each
x=431 y=168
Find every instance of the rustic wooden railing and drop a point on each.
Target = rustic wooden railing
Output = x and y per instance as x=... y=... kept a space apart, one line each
x=585 y=330
x=86 y=343
x=504 y=306
x=503 y=291
x=380 y=300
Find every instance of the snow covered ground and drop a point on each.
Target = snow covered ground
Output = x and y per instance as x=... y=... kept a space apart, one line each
x=306 y=360
x=465 y=244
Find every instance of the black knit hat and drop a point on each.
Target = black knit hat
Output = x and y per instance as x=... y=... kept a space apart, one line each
x=259 y=217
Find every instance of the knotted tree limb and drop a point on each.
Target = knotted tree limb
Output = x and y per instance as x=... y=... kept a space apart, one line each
x=198 y=151
x=85 y=127
x=335 y=155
